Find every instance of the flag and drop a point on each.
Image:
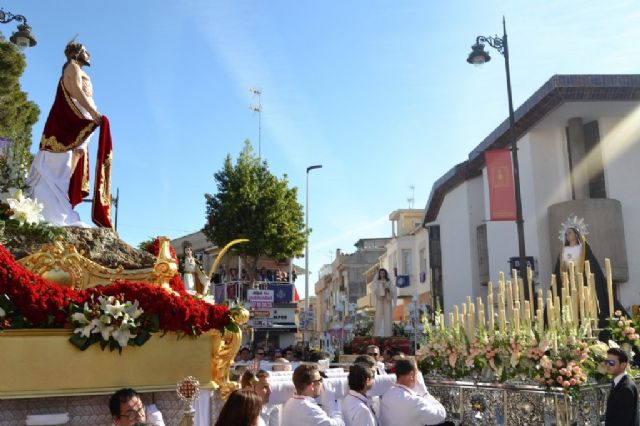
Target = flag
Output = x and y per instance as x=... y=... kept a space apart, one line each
x=502 y=200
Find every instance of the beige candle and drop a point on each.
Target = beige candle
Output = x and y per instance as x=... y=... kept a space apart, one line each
x=491 y=314
x=481 y=321
x=489 y=288
x=550 y=312
x=509 y=299
x=452 y=321
x=530 y=281
x=501 y=321
x=472 y=322
x=516 y=318
x=456 y=317
x=527 y=314
x=609 y=275
x=558 y=312
x=554 y=285
x=540 y=321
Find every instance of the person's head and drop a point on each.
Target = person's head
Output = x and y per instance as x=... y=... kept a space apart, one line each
x=617 y=361
x=571 y=237
x=307 y=380
x=281 y=364
x=374 y=351
x=263 y=387
x=245 y=354
x=365 y=359
x=241 y=409
x=289 y=355
x=126 y=408
x=360 y=378
x=383 y=274
x=277 y=353
x=387 y=356
x=77 y=52
x=259 y=354
x=248 y=380
x=406 y=372
x=397 y=355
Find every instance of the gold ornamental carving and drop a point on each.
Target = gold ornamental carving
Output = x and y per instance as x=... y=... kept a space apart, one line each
x=224 y=348
x=61 y=263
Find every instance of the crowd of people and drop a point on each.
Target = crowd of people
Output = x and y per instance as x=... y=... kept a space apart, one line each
x=313 y=396
x=223 y=275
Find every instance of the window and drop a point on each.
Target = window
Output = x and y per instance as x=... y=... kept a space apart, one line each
x=407 y=264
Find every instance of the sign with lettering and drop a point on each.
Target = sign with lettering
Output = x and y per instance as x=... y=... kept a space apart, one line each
x=260 y=299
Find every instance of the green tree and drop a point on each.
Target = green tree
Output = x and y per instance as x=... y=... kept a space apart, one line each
x=252 y=203
x=17 y=116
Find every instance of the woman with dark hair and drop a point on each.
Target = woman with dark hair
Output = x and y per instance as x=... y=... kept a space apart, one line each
x=241 y=409
x=576 y=250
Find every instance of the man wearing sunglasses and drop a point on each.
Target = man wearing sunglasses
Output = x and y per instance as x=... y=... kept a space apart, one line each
x=374 y=351
x=622 y=403
x=302 y=409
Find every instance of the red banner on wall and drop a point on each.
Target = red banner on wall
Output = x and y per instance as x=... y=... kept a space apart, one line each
x=502 y=199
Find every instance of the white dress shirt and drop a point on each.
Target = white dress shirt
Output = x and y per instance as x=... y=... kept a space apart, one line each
x=402 y=406
x=269 y=415
x=304 y=411
x=357 y=410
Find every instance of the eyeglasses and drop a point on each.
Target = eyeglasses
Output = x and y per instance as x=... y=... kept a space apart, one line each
x=133 y=413
x=259 y=353
x=610 y=362
x=373 y=354
x=317 y=381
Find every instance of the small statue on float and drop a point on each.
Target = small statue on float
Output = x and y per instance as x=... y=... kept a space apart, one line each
x=193 y=275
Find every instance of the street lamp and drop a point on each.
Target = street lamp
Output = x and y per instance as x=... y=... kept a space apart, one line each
x=479 y=56
x=23 y=37
x=306 y=245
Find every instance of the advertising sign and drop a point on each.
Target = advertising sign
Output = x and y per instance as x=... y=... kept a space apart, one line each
x=260 y=299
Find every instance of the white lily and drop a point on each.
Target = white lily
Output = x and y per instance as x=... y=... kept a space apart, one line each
x=122 y=335
x=25 y=210
x=105 y=329
x=132 y=310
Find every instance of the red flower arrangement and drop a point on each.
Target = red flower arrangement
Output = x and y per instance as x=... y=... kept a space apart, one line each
x=37 y=303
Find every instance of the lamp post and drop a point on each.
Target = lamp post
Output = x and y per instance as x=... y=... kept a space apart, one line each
x=479 y=56
x=23 y=37
x=306 y=245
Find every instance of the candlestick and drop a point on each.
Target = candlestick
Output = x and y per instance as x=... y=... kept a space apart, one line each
x=607 y=268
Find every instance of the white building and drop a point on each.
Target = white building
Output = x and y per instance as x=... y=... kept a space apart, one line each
x=579 y=150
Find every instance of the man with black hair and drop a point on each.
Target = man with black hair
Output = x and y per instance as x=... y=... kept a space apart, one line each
x=622 y=403
x=401 y=405
x=302 y=409
x=127 y=409
x=357 y=408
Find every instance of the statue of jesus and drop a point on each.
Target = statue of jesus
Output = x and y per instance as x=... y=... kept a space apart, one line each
x=384 y=301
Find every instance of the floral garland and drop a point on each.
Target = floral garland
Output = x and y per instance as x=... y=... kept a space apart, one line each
x=29 y=301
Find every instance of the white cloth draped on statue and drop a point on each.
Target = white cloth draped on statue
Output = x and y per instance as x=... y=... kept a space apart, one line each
x=48 y=181
x=384 y=300
x=191 y=273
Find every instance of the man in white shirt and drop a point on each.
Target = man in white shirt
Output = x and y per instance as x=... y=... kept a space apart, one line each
x=401 y=405
x=374 y=352
x=357 y=409
x=302 y=409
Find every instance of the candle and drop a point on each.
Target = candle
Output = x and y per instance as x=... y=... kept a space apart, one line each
x=527 y=314
x=554 y=285
x=456 y=317
x=550 y=312
x=491 y=314
x=516 y=318
x=481 y=322
x=489 y=288
x=530 y=281
x=501 y=323
x=555 y=344
x=452 y=321
x=540 y=321
x=509 y=298
x=472 y=322
x=558 y=311
x=607 y=268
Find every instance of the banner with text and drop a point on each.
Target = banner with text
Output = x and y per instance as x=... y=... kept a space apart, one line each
x=502 y=199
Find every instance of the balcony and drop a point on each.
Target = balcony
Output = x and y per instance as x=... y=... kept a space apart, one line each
x=283 y=292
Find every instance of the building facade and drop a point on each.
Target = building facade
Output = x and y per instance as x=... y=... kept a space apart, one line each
x=578 y=141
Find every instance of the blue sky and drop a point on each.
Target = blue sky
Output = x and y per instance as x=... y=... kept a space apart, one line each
x=377 y=92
